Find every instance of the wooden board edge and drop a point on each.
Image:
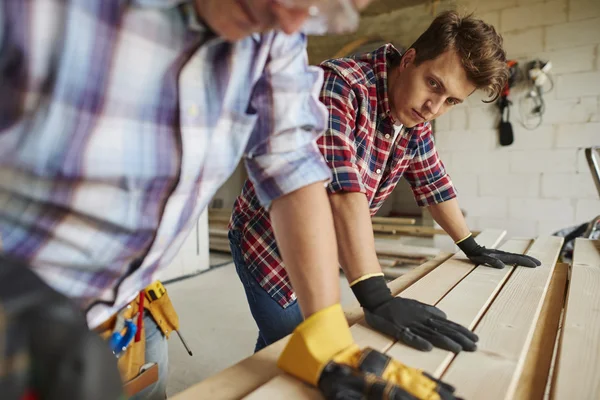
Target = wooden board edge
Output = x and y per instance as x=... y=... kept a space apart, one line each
x=538 y=362
x=240 y=379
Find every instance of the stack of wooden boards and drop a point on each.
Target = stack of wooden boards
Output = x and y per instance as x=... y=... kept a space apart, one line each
x=218 y=219
x=539 y=329
x=395 y=259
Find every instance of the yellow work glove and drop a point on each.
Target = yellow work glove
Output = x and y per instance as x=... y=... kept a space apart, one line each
x=322 y=353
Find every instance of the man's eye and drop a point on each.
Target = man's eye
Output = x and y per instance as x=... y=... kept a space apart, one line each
x=452 y=102
x=433 y=83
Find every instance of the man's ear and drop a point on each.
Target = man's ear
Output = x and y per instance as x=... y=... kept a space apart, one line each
x=408 y=58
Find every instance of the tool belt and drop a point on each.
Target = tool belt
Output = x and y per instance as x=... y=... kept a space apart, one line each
x=132 y=359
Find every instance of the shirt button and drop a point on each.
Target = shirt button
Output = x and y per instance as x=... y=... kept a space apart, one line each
x=378 y=171
x=387 y=136
x=193 y=110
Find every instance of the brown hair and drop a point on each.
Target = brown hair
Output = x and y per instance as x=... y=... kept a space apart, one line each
x=478 y=45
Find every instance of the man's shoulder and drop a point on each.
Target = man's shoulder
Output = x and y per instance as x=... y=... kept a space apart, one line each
x=353 y=71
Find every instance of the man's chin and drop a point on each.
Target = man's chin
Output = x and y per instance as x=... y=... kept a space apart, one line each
x=407 y=121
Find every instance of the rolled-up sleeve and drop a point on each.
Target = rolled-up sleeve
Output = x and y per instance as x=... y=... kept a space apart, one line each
x=427 y=176
x=338 y=144
x=282 y=155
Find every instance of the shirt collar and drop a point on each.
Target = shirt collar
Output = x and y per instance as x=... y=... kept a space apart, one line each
x=380 y=60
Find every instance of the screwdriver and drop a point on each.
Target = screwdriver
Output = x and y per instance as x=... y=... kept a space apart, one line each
x=155 y=291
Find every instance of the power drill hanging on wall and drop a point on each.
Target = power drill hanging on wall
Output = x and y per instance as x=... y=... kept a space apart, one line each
x=505 y=127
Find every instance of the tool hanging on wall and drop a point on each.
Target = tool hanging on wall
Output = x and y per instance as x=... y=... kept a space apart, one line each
x=539 y=78
x=505 y=127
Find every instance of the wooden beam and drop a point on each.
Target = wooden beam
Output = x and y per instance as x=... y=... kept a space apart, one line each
x=394 y=248
x=506 y=330
x=240 y=379
x=370 y=337
x=536 y=371
x=578 y=369
x=285 y=385
x=259 y=368
x=393 y=221
x=408 y=229
x=440 y=281
x=464 y=304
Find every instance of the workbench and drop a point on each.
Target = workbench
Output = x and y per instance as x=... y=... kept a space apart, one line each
x=539 y=329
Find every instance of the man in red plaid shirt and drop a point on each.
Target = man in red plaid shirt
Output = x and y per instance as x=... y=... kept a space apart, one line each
x=380 y=106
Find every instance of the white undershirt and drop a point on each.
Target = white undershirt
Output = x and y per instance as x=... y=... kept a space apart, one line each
x=397 y=130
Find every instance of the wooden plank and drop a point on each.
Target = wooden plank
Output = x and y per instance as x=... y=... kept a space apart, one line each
x=578 y=369
x=393 y=221
x=218 y=232
x=259 y=368
x=370 y=337
x=255 y=370
x=387 y=262
x=285 y=385
x=506 y=330
x=240 y=379
x=408 y=229
x=440 y=281
x=397 y=271
x=464 y=304
x=393 y=247
x=536 y=371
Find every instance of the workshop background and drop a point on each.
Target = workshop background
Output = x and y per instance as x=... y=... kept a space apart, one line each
x=537 y=185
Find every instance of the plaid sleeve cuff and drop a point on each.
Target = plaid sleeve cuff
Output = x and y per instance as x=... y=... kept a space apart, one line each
x=345 y=179
x=435 y=192
x=275 y=175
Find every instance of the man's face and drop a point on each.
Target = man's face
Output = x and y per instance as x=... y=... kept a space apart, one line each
x=423 y=93
x=235 y=19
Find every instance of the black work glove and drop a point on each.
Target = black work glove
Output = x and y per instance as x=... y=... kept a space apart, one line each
x=416 y=324
x=494 y=258
x=365 y=381
x=47 y=346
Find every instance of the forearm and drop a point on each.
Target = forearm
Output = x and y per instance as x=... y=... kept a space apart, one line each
x=354 y=232
x=450 y=218
x=304 y=230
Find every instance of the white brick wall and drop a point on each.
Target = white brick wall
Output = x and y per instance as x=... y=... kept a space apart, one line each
x=466 y=184
x=525 y=139
x=525 y=42
x=548 y=226
x=583 y=9
x=485 y=206
x=462 y=140
x=583 y=109
x=481 y=163
x=543 y=161
x=572 y=34
x=572 y=59
x=510 y=185
x=586 y=210
x=570 y=186
x=541 y=183
x=513 y=227
x=541 y=209
x=578 y=135
x=578 y=84
x=533 y=15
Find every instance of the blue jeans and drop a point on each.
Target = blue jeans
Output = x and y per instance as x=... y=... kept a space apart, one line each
x=274 y=322
x=157 y=351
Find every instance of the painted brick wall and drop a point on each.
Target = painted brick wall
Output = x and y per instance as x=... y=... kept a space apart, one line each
x=542 y=182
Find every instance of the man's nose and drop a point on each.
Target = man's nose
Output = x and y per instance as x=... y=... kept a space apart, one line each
x=434 y=105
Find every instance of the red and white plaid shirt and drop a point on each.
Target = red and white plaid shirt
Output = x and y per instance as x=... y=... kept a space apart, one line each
x=360 y=149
